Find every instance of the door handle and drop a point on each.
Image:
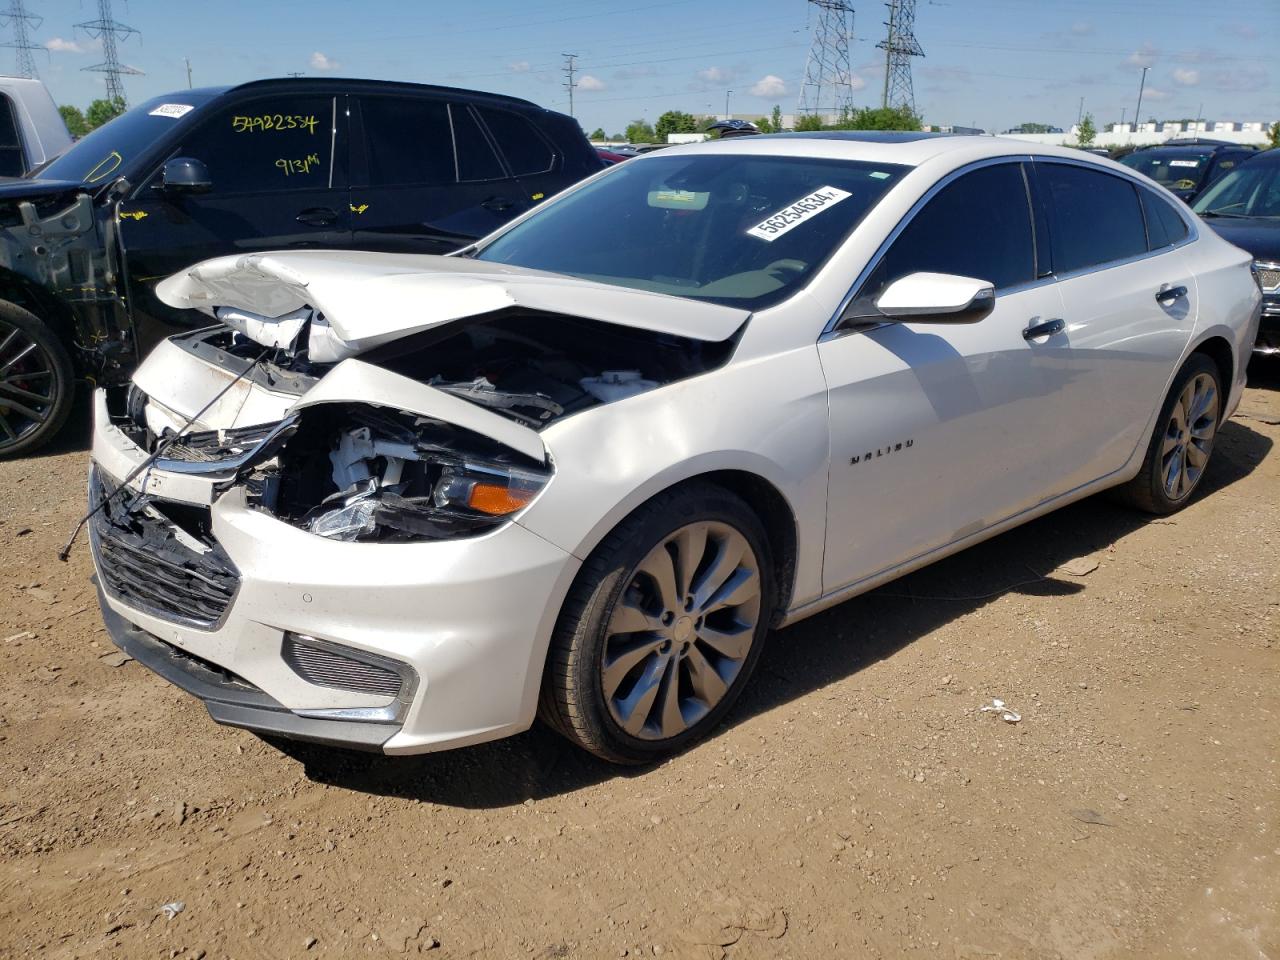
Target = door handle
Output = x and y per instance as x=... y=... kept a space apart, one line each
x=1167 y=295
x=497 y=204
x=318 y=217
x=1046 y=329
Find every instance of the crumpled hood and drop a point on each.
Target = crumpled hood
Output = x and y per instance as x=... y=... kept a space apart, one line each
x=367 y=299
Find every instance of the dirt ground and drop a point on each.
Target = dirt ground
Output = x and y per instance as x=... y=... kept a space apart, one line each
x=856 y=804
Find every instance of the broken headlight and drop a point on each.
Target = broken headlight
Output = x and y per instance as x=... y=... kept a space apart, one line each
x=374 y=475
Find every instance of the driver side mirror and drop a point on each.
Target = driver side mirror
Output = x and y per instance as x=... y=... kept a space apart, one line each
x=185 y=175
x=937 y=298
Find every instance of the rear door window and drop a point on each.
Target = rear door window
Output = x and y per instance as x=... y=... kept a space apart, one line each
x=476 y=158
x=979 y=226
x=270 y=145
x=1096 y=218
x=408 y=141
x=1164 y=226
x=13 y=163
x=526 y=151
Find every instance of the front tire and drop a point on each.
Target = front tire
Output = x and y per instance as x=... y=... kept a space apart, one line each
x=663 y=627
x=37 y=385
x=1183 y=441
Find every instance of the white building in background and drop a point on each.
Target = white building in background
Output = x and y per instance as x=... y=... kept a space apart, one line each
x=1140 y=134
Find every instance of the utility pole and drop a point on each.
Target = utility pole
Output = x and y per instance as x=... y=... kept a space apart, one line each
x=1137 y=114
x=570 y=68
x=1080 y=112
x=22 y=23
x=899 y=46
x=1123 y=110
x=727 y=93
x=107 y=29
x=828 y=85
x=187 y=61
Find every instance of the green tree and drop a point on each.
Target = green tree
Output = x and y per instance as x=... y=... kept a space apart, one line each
x=775 y=119
x=808 y=123
x=598 y=134
x=1086 y=132
x=878 y=118
x=1273 y=135
x=639 y=131
x=77 y=126
x=100 y=111
x=674 y=121
x=617 y=136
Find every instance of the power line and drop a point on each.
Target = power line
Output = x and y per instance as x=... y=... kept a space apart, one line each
x=569 y=70
x=899 y=47
x=22 y=22
x=828 y=83
x=106 y=28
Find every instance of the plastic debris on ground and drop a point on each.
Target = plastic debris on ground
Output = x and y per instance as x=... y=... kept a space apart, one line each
x=998 y=706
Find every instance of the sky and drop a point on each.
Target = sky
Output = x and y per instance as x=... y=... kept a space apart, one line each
x=988 y=63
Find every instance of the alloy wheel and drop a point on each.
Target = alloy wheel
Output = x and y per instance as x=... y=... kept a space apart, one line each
x=28 y=386
x=681 y=631
x=1188 y=437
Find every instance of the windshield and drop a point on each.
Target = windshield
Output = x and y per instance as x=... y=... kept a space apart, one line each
x=1252 y=190
x=100 y=155
x=732 y=229
x=1180 y=171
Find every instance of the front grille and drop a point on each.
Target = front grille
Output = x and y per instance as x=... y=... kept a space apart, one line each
x=360 y=672
x=1268 y=276
x=144 y=562
x=213 y=446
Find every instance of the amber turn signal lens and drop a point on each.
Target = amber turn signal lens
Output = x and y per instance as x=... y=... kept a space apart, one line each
x=497 y=499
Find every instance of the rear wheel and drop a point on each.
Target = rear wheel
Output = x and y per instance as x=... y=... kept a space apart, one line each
x=663 y=628
x=1182 y=444
x=36 y=382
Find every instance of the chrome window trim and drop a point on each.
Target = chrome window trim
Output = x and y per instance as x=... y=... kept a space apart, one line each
x=831 y=331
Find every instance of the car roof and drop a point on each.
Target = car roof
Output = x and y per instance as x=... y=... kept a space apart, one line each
x=356 y=85
x=1194 y=146
x=908 y=148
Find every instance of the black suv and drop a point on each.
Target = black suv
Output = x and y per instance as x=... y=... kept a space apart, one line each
x=272 y=164
x=1185 y=167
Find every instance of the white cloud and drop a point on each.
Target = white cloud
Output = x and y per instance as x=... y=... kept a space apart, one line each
x=59 y=45
x=1144 y=56
x=589 y=82
x=320 y=62
x=1082 y=28
x=520 y=66
x=715 y=75
x=1154 y=93
x=769 y=86
x=1185 y=77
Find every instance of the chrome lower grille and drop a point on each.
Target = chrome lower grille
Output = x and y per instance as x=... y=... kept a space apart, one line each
x=343 y=668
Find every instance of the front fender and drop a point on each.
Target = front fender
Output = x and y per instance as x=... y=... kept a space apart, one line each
x=611 y=459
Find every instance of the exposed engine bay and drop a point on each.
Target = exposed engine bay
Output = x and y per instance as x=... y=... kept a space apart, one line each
x=358 y=471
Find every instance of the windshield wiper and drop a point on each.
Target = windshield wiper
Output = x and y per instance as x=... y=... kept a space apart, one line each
x=1233 y=216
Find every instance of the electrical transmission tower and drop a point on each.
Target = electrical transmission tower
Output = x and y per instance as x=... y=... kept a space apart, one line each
x=828 y=86
x=899 y=47
x=107 y=29
x=23 y=23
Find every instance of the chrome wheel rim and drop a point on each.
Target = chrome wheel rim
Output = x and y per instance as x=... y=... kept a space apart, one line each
x=1188 y=437
x=28 y=387
x=681 y=631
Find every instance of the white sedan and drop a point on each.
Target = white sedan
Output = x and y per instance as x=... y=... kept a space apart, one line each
x=580 y=470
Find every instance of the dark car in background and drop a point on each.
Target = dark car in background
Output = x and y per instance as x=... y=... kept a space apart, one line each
x=1186 y=167
x=1244 y=208
x=273 y=164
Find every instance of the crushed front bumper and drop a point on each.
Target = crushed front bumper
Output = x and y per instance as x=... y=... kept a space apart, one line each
x=469 y=620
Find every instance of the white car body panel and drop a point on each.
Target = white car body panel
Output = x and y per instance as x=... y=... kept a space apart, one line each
x=891 y=446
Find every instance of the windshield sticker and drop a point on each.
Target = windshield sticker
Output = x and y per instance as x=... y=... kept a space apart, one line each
x=678 y=199
x=879 y=175
x=174 y=110
x=1184 y=163
x=791 y=217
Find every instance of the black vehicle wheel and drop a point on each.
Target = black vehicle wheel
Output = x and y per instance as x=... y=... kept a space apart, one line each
x=663 y=627
x=1182 y=443
x=36 y=382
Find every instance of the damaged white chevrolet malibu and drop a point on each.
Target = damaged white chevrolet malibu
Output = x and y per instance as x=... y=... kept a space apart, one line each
x=579 y=470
